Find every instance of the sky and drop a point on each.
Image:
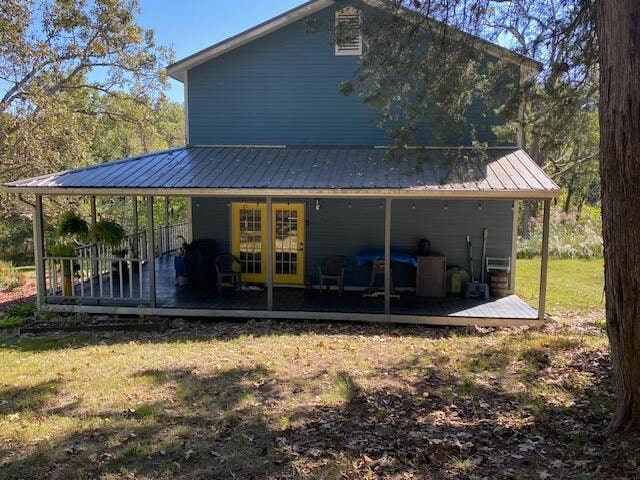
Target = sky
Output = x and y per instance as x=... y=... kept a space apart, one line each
x=191 y=25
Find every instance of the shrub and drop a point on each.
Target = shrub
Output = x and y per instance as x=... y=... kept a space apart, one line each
x=570 y=235
x=10 y=278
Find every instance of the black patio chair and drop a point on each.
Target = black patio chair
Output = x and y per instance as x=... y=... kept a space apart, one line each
x=332 y=269
x=228 y=268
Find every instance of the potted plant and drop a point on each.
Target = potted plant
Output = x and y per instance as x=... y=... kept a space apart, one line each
x=67 y=251
x=112 y=234
x=73 y=226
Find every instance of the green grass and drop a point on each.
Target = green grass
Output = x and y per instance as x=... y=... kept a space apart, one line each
x=573 y=285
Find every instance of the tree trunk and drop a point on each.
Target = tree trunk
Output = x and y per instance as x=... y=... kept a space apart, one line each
x=619 y=35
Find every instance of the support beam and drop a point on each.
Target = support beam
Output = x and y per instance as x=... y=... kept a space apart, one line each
x=514 y=247
x=151 y=253
x=545 y=260
x=135 y=228
x=269 y=222
x=387 y=257
x=38 y=252
x=94 y=210
x=165 y=248
x=94 y=248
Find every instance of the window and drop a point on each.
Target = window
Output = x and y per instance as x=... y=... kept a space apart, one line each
x=348 y=31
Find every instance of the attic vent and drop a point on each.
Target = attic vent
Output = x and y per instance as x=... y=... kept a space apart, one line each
x=348 y=31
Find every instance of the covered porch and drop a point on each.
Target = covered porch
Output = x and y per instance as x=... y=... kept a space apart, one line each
x=346 y=201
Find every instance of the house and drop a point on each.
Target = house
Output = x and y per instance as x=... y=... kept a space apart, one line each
x=285 y=173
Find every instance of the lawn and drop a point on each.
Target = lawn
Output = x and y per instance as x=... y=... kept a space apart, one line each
x=574 y=285
x=265 y=399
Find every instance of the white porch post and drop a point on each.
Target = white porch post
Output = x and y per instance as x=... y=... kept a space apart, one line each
x=135 y=244
x=38 y=251
x=269 y=222
x=545 y=260
x=165 y=248
x=151 y=255
x=387 y=257
x=94 y=247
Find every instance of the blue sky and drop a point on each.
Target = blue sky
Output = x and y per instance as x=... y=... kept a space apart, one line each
x=191 y=25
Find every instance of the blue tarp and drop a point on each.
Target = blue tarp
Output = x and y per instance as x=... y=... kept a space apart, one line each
x=396 y=256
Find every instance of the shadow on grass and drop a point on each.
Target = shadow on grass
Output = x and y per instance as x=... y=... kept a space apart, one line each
x=250 y=423
x=232 y=329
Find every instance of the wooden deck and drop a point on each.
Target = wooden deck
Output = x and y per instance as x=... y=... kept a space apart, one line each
x=172 y=297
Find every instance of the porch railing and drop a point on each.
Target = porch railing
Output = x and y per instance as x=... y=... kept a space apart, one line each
x=169 y=238
x=94 y=278
x=135 y=245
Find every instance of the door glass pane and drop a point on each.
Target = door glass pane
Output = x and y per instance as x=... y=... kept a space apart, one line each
x=250 y=241
x=286 y=242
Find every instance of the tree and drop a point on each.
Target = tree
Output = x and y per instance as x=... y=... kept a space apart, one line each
x=619 y=34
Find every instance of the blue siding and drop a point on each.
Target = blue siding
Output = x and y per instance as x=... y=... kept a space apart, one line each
x=284 y=89
x=337 y=229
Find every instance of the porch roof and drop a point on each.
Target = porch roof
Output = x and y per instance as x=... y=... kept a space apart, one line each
x=307 y=171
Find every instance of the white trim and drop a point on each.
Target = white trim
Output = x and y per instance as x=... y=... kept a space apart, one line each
x=248 y=145
x=290 y=315
x=177 y=69
x=514 y=247
x=443 y=194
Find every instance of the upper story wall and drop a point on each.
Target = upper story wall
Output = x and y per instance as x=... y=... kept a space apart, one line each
x=283 y=89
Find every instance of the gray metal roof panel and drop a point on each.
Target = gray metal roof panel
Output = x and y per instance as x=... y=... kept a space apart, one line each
x=309 y=168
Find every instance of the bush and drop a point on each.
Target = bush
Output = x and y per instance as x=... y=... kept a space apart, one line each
x=570 y=235
x=10 y=278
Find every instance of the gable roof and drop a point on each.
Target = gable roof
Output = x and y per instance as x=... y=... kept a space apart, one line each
x=307 y=171
x=177 y=69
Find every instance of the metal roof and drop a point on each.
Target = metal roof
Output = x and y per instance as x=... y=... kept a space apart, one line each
x=494 y=172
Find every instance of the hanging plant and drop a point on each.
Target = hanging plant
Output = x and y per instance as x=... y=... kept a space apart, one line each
x=108 y=232
x=74 y=226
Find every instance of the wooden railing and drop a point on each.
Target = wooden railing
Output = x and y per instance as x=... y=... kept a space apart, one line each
x=94 y=277
x=171 y=237
x=135 y=245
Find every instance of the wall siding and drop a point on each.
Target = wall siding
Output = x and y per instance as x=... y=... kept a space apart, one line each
x=283 y=89
x=337 y=229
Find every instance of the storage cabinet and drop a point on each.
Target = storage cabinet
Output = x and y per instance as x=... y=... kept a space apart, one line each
x=431 y=276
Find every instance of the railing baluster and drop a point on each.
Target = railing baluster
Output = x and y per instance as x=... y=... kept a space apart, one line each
x=130 y=279
x=121 y=279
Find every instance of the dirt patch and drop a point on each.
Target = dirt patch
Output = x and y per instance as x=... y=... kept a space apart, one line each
x=24 y=293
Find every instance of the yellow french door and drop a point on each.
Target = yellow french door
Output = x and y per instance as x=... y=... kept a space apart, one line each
x=249 y=241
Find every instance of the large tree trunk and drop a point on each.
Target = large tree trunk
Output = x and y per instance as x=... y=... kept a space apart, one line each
x=619 y=35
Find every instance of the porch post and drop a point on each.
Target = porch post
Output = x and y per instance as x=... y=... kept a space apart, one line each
x=545 y=259
x=165 y=248
x=151 y=253
x=387 y=257
x=135 y=244
x=269 y=227
x=514 y=248
x=38 y=252
x=94 y=247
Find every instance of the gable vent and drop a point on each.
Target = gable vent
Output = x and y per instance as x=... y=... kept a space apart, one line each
x=348 y=31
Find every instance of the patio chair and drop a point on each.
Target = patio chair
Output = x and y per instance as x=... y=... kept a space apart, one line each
x=332 y=269
x=228 y=269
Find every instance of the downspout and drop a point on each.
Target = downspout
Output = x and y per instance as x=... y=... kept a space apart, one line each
x=24 y=203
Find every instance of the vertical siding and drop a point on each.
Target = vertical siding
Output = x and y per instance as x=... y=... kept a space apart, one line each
x=283 y=88
x=337 y=229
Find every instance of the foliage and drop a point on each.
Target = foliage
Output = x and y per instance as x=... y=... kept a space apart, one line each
x=17 y=315
x=61 y=248
x=72 y=225
x=10 y=277
x=570 y=235
x=84 y=84
x=108 y=232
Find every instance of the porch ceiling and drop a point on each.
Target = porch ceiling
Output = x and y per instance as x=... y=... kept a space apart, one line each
x=307 y=171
